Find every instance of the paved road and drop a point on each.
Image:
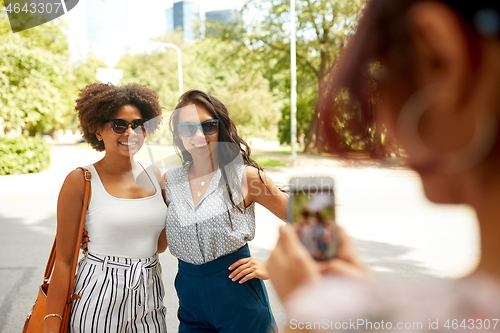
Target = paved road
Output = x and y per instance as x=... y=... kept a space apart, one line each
x=398 y=233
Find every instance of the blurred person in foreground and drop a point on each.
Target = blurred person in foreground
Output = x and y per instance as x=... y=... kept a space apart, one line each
x=435 y=67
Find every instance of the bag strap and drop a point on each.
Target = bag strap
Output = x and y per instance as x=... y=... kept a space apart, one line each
x=50 y=264
x=87 y=176
x=52 y=256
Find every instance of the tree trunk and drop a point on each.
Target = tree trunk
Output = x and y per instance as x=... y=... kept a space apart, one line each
x=312 y=137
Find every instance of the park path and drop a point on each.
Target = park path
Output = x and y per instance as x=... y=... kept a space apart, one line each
x=399 y=234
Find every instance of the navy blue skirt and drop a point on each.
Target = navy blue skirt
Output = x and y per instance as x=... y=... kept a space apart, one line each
x=210 y=302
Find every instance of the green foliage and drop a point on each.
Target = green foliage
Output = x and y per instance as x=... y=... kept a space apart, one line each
x=305 y=111
x=215 y=66
x=36 y=77
x=268 y=162
x=158 y=70
x=322 y=29
x=84 y=73
x=49 y=36
x=32 y=81
x=38 y=81
x=23 y=155
x=240 y=86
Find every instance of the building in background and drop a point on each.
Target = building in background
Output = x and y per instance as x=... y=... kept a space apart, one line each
x=182 y=15
x=225 y=16
x=169 y=19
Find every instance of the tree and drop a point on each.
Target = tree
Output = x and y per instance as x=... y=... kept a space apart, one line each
x=34 y=76
x=84 y=73
x=207 y=67
x=240 y=85
x=323 y=28
x=49 y=37
x=31 y=84
x=158 y=70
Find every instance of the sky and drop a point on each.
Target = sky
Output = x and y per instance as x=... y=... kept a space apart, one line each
x=144 y=14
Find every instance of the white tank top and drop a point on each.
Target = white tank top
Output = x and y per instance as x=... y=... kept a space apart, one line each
x=124 y=227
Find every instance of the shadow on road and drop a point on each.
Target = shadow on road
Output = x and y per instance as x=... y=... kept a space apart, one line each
x=388 y=262
x=27 y=273
x=25 y=250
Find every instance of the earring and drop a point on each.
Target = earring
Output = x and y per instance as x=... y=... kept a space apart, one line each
x=485 y=133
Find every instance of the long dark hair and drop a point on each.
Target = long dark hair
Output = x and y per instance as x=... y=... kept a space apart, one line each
x=228 y=133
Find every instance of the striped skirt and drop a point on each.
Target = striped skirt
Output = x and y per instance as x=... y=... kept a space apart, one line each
x=118 y=295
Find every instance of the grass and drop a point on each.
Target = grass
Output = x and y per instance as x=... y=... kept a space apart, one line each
x=268 y=162
x=171 y=158
x=280 y=151
x=284 y=150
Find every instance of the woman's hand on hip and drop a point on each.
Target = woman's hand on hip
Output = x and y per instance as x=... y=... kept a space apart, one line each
x=248 y=268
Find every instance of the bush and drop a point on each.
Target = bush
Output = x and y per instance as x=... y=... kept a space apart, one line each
x=23 y=155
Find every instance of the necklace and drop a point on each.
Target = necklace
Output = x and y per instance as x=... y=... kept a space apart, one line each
x=200 y=182
x=199 y=190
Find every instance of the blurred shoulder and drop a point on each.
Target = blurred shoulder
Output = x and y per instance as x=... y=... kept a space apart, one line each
x=341 y=300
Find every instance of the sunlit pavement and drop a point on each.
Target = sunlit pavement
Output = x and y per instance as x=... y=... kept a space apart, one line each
x=399 y=234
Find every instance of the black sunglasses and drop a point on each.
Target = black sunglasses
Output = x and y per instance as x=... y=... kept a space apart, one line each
x=209 y=127
x=120 y=126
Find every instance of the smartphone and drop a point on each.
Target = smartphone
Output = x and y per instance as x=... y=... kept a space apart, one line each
x=311 y=209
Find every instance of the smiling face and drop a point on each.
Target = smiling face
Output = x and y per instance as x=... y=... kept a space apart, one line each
x=198 y=144
x=128 y=143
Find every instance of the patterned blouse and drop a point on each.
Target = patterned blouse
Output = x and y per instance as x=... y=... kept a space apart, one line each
x=214 y=227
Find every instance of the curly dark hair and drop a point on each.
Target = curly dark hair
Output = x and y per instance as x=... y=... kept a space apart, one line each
x=99 y=102
x=227 y=133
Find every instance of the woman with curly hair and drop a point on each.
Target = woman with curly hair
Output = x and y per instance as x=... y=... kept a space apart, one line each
x=211 y=217
x=119 y=279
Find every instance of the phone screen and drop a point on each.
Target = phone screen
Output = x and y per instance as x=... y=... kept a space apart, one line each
x=312 y=211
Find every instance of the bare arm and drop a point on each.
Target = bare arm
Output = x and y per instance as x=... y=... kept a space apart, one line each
x=162 y=185
x=162 y=242
x=263 y=192
x=162 y=239
x=69 y=209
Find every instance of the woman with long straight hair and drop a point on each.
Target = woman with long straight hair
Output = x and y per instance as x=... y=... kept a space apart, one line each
x=211 y=200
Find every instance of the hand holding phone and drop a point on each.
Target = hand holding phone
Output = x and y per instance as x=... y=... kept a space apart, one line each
x=311 y=210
